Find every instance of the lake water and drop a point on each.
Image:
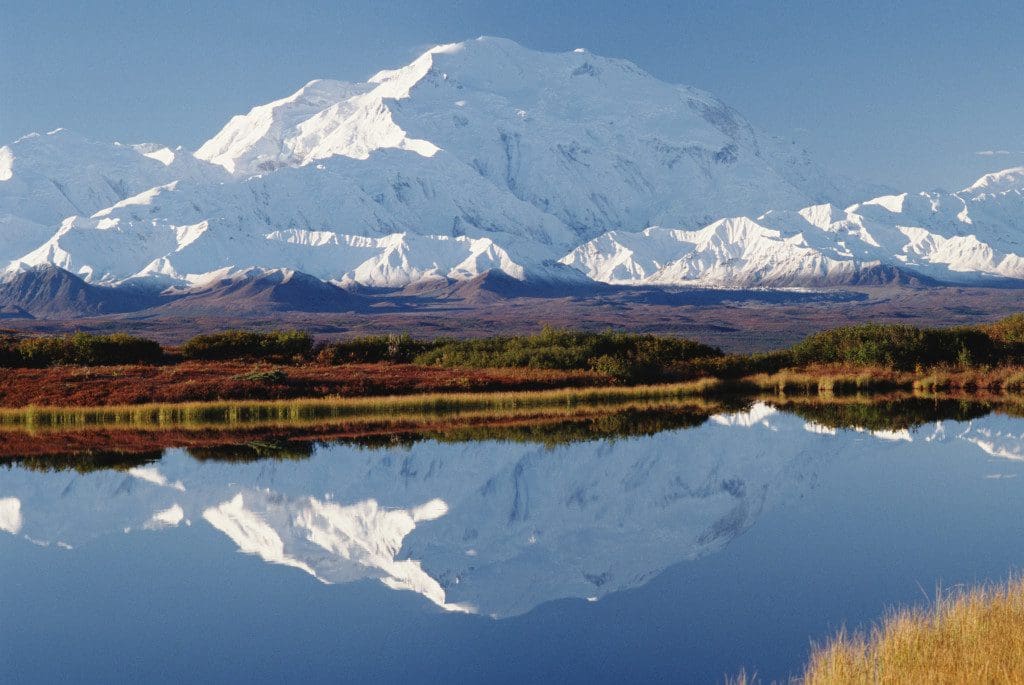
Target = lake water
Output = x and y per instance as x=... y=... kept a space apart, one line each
x=678 y=556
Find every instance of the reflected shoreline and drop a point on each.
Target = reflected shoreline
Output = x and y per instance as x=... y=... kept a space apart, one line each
x=86 y=449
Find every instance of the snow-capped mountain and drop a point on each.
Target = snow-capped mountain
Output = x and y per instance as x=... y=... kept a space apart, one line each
x=968 y=236
x=482 y=156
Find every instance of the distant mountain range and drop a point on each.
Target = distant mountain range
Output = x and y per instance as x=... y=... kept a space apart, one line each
x=558 y=170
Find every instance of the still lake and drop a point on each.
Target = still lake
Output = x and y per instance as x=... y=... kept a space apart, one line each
x=681 y=555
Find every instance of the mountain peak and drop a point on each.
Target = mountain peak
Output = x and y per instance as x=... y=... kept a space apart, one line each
x=998 y=181
x=258 y=142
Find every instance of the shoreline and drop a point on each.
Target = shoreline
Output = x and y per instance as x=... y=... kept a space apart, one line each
x=84 y=439
x=318 y=410
x=141 y=388
x=412 y=411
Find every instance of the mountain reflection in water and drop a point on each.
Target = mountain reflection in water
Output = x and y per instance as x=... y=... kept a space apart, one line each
x=491 y=520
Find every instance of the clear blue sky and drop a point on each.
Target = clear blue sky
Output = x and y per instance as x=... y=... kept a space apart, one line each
x=905 y=93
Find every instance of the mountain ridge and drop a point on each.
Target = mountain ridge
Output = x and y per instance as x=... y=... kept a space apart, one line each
x=485 y=156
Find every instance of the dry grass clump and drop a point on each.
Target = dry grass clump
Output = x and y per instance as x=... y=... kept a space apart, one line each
x=846 y=379
x=833 y=379
x=1014 y=382
x=974 y=636
x=997 y=380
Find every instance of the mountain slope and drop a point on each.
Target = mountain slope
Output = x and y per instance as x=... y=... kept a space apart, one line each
x=46 y=178
x=51 y=292
x=327 y=220
x=261 y=292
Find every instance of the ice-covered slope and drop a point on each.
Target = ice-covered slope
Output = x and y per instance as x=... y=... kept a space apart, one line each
x=388 y=220
x=595 y=142
x=322 y=119
x=975 y=235
x=45 y=178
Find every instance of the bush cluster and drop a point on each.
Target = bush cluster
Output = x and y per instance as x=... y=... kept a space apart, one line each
x=624 y=356
x=897 y=346
x=80 y=349
x=627 y=357
x=731 y=366
x=278 y=345
x=374 y=349
x=1008 y=333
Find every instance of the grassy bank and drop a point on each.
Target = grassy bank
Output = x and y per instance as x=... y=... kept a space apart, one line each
x=83 y=370
x=199 y=381
x=825 y=379
x=293 y=412
x=973 y=635
x=976 y=636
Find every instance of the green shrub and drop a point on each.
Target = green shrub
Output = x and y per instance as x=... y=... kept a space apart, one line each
x=1007 y=330
x=733 y=365
x=373 y=349
x=81 y=349
x=248 y=345
x=1008 y=334
x=624 y=356
x=896 y=346
x=9 y=355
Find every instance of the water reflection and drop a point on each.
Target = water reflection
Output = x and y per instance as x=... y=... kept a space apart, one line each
x=490 y=520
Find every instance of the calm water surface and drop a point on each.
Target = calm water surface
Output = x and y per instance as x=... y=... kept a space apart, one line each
x=680 y=556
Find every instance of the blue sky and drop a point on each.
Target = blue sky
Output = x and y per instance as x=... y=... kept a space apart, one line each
x=905 y=93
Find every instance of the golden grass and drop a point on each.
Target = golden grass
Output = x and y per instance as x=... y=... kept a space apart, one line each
x=294 y=412
x=828 y=382
x=974 y=636
x=1005 y=381
x=838 y=380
